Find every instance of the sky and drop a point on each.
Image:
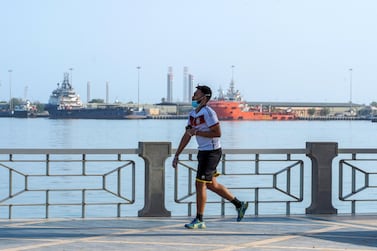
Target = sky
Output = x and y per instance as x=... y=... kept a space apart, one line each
x=281 y=50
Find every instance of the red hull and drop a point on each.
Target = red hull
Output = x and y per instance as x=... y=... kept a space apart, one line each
x=234 y=110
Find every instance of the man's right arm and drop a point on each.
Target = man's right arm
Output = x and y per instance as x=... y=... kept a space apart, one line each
x=182 y=144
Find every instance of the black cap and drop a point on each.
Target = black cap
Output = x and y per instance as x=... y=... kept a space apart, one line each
x=206 y=90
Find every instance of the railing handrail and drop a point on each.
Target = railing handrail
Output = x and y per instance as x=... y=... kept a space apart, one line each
x=186 y=151
x=69 y=151
x=253 y=151
x=357 y=150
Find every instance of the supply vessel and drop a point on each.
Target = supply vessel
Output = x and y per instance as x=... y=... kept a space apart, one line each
x=65 y=103
x=231 y=106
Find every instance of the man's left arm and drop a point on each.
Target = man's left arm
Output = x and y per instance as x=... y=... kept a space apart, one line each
x=214 y=132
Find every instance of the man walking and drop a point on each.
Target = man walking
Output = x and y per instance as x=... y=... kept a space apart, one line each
x=204 y=125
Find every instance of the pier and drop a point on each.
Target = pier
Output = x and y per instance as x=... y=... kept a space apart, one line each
x=332 y=118
x=167 y=116
x=321 y=232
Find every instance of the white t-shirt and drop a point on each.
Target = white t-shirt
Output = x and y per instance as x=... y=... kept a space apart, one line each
x=202 y=121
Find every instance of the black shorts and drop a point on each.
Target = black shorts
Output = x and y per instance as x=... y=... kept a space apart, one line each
x=207 y=164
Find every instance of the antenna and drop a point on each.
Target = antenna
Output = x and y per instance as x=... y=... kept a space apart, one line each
x=232 y=81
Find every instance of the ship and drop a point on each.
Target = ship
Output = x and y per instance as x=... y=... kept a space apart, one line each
x=25 y=110
x=231 y=106
x=65 y=103
x=138 y=113
x=5 y=111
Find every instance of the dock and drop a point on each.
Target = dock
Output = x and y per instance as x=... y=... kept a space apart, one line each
x=332 y=118
x=321 y=232
x=185 y=116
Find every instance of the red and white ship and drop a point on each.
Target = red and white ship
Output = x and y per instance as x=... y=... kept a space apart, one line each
x=230 y=106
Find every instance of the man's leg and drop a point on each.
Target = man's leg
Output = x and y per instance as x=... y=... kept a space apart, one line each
x=220 y=189
x=226 y=194
x=201 y=197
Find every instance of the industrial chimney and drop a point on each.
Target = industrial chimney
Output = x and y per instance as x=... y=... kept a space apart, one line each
x=169 y=97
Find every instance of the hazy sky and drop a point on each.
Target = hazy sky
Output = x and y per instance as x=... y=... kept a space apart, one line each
x=282 y=50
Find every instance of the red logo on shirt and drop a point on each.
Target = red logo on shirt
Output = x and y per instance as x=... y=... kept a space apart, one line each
x=197 y=121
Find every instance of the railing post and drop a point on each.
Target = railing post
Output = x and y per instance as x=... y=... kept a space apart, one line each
x=321 y=154
x=154 y=155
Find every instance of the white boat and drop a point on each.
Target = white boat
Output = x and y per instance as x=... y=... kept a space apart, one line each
x=137 y=114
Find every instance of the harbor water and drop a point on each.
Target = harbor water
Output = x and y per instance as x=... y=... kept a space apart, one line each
x=80 y=133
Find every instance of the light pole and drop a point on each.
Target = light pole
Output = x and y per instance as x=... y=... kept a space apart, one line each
x=10 y=90
x=25 y=92
x=350 y=70
x=138 y=85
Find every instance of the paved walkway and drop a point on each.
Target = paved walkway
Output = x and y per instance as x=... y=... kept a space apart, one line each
x=253 y=233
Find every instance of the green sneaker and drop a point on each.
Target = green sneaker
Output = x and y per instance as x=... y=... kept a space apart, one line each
x=196 y=224
x=241 y=211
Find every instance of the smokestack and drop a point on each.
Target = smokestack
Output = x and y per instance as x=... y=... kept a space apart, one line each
x=170 y=85
x=186 y=94
x=190 y=87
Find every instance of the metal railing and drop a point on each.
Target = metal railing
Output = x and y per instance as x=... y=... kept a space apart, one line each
x=274 y=167
x=37 y=181
x=357 y=176
x=41 y=179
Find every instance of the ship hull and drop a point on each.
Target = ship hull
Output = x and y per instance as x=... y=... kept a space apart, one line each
x=64 y=103
x=89 y=113
x=22 y=114
x=5 y=114
x=233 y=110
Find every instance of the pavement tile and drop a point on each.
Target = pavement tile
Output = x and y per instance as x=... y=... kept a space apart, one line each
x=324 y=232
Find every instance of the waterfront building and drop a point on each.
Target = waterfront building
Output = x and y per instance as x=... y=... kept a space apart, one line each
x=303 y=109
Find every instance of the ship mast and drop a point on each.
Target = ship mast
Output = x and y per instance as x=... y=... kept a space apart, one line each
x=66 y=84
x=232 y=82
x=232 y=93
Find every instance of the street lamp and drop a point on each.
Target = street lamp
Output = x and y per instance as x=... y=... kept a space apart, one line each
x=10 y=90
x=138 y=85
x=350 y=70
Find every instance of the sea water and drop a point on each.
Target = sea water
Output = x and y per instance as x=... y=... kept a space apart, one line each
x=82 y=133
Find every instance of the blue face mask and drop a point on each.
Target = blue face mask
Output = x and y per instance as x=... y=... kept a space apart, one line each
x=194 y=103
